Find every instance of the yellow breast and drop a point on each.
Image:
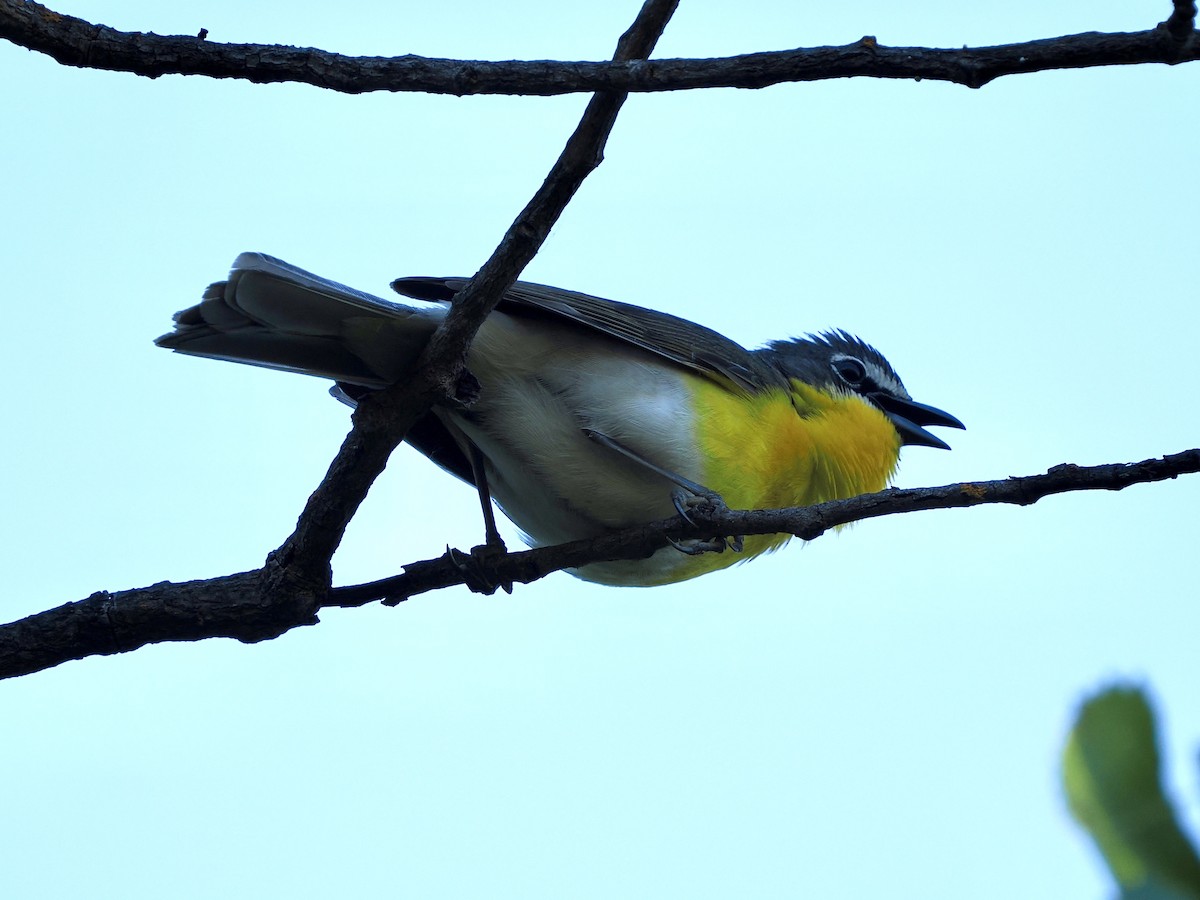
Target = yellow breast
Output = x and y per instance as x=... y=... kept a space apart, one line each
x=794 y=448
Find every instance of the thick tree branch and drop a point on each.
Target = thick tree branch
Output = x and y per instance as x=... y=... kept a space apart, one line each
x=233 y=606
x=75 y=42
x=104 y=623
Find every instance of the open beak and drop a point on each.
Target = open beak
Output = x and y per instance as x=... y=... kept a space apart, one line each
x=909 y=416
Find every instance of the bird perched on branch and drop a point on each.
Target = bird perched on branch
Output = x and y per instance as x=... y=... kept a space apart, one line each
x=592 y=415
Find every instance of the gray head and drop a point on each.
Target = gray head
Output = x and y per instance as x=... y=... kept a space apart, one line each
x=840 y=361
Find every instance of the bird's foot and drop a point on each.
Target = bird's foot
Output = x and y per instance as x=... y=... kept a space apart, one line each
x=477 y=567
x=692 y=505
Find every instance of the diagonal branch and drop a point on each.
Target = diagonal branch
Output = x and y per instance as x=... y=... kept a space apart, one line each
x=105 y=623
x=295 y=581
x=298 y=573
x=76 y=42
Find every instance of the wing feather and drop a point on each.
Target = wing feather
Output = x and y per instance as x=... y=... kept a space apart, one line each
x=685 y=343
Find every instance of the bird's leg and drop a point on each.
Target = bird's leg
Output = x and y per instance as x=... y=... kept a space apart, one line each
x=687 y=496
x=474 y=566
x=491 y=535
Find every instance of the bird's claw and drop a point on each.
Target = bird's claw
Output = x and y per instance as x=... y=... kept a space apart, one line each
x=686 y=501
x=698 y=547
x=476 y=567
x=708 y=502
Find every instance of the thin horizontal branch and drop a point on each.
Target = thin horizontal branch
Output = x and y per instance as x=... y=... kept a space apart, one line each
x=807 y=523
x=76 y=42
x=239 y=606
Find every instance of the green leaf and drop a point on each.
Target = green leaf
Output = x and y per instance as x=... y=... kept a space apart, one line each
x=1113 y=786
x=1155 y=890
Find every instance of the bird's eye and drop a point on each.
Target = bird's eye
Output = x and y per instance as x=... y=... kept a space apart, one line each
x=850 y=370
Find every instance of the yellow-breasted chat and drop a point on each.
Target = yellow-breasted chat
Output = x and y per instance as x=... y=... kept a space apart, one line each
x=592 y=415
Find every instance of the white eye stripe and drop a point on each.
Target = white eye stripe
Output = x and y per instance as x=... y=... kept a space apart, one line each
x=886 y=381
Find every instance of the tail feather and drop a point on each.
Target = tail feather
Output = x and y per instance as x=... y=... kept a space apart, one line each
x=270 y=313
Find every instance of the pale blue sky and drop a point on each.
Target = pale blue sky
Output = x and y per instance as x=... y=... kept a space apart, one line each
x=877 y=714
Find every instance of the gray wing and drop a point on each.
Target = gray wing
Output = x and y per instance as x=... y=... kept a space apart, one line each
x=682 y=342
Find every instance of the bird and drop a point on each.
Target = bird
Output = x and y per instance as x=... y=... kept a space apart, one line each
x=592 y=415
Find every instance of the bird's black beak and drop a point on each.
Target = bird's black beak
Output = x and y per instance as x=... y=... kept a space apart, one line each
x=909 y=416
